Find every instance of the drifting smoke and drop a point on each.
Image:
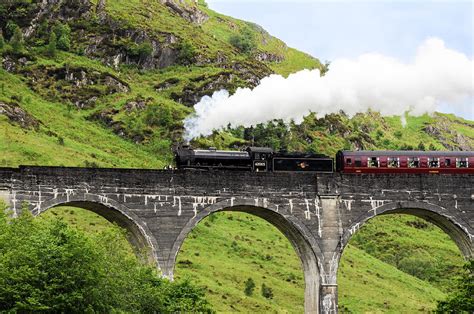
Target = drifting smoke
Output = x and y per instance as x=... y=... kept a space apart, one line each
x=372 y=81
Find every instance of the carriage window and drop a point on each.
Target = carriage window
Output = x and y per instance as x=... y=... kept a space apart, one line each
x=447 y=162
x=393 y=162
x=413 y=162
x=433 y=162
x=373 y=162
x=461 y=163
x=349 y=161
x=358 y=163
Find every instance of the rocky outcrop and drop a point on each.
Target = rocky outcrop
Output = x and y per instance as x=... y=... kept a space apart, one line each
x=57 y=10
x=18 y=116
x=12 y=64
x=115 y=45
x=268 y=57
x=190 y=13
x=206 y=85
x=80 y=86
x=137 y=104
x=451 y=139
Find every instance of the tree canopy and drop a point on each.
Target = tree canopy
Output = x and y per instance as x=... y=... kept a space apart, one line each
x=50 y=266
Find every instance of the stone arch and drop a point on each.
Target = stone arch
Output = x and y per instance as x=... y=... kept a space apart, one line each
x=299 y=236
x=139 y=236
x=459 y=231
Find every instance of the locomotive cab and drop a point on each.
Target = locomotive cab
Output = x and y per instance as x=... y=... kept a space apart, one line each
x=260 y=157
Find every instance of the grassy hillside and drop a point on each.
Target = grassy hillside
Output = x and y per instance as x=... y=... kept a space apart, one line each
x=226 y=249
x=117 y=95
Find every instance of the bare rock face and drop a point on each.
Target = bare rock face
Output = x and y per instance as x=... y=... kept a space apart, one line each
x=150 y=52
x=19 y=116
x=268 y=57
x=189 y=12
x=451 y=139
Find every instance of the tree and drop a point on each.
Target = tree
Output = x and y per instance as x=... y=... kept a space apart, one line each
x=421 y=146
x=48 y=266
x=462 y=300
x=17 y=42
x=249 y=287
x=63 y=35
x=2 y=42
x=51 y=48
x=10 y=29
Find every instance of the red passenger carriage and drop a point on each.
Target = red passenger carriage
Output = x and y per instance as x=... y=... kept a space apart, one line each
x=405 y=162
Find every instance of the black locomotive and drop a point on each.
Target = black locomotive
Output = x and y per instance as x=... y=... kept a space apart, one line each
x=257 y=159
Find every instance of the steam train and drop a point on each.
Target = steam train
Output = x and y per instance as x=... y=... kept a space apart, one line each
x=263 y=159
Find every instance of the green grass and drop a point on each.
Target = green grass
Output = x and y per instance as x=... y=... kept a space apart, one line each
x=84 y=141
x=367 y=285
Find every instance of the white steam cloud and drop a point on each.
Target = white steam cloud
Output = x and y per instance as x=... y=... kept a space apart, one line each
x=372 y=81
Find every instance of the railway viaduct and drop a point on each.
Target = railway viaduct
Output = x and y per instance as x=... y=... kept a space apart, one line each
x=317 y=213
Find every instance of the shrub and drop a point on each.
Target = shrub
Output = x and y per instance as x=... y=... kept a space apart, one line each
x=245 y=42
x=186 y=54
x=462 y=300
x=267 y=292
x=10 y=29
x=249 y=287
x=145 y=50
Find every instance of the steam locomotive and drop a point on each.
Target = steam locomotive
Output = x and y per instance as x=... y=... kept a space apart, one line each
x=263 y=159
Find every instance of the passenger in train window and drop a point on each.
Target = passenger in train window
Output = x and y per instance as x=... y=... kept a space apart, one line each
x=373 y=162
x=461 y=162
x=393 y=162
x=447 y=162
x=413 y=162
x=433 y=162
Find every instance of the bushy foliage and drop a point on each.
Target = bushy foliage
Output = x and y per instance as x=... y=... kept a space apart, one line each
x=10 y=29
x=2 y=42
x=142 y=50
x=17 y=42
x=462 y=300
x=48 y=266
x=249 y=287
x=51 y=48
x=63 y=35
x=186 y=54
x=245 y=42
x=267 y=292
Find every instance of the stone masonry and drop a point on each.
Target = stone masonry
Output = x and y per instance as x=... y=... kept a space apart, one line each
x=317 y=213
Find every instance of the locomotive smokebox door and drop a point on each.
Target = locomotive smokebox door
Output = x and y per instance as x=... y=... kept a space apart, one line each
x=259 y=165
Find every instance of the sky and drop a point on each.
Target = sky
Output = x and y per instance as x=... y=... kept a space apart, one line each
x=332 y=30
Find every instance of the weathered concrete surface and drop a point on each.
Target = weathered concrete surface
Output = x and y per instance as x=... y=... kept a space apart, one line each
x=318 y=214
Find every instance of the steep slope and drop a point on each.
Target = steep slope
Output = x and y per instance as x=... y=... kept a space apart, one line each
x=125 y=74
